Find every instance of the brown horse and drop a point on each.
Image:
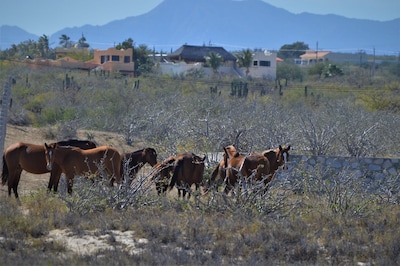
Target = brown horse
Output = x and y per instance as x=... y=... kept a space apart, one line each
x=162 y=174
x=31 y=158
x=82 y=144
x=188 y=170
x=75 y=161
x=233 y=162
x=276 y=158
x=132 y=162
x=256 y=167
x=219 y=174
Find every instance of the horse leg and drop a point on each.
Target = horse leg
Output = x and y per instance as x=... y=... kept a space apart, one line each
x=70 y=182
x=13 y=182
x=54 y=180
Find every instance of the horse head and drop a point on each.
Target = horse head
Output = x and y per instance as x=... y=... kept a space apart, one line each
x=49 y=154
x=277 y=157
x=283 y=156
x=150 y=155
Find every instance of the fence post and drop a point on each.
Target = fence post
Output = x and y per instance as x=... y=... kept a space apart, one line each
x=5 y=104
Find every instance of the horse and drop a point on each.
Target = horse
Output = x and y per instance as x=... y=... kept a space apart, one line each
x=31 y=158
x=188 y=170
x=276 y=158
x=162 y=173
x=82 y=144
x=132 y=162
x=75 y=161
x=233 y=163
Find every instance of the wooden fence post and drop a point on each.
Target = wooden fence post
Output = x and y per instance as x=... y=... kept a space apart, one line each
x=5 y=105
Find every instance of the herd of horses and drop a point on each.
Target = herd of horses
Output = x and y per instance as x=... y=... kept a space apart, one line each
x=83 y=158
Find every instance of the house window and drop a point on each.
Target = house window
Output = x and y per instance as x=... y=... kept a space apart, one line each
x=255 y=63
x=115 y=58
x=127 y=59
x=265 y=63
x=104 y=58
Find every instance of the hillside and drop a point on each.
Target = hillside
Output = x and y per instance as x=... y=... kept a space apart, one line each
x=234 y=25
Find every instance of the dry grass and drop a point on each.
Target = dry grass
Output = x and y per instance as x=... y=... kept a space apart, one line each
x=302 y=219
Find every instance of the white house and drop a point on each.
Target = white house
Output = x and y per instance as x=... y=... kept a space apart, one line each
x=189 y=57
x=263 y=66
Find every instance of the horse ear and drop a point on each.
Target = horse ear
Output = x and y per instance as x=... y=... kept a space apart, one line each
x=47 y=146
x=280 y=147
x=288 y=147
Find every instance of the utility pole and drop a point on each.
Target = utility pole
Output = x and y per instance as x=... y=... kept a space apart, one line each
x=316 y=54
x=373 y=65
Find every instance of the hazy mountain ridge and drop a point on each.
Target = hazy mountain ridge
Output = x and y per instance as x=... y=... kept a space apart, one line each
x=237 y=25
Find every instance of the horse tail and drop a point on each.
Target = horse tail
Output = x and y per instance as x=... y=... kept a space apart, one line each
x=214 y=173
x=4 y=175
x=122 y=167
x=175 y=176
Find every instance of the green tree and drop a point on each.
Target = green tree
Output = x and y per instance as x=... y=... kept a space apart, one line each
x=125 y=44
x=65 y=41
x=294 y=50
x=143 y=62
x=288 y=72
x=245 y=60
x=43 y=45
x=214 y=60
x=316 y=69
x=82 y=42
x=332 y=70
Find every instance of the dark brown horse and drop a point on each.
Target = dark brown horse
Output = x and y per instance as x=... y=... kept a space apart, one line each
x=31 y=158
x=132 y=162
x=188 y=170
x=162 y=173
x=74 y=161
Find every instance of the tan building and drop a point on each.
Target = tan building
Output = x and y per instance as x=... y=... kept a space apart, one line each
x=114 y=60
x=311 y=57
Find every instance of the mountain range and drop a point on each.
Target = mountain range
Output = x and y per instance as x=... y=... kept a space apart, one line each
x=235 y=25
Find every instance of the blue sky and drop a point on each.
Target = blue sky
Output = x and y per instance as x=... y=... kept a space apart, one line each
x=48 y=16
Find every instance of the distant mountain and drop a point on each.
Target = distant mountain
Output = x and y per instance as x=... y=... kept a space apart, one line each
x=236 y=25
x=10 y=35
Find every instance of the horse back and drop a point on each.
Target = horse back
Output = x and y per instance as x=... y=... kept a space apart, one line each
x=271 y=155
x=257 y=163
x=30 y=157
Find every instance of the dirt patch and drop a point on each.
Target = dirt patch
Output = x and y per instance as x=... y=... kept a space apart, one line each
x=92 y=242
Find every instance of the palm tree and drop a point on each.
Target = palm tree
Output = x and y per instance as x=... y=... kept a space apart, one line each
x=43 y=45
x=214 y=61
x=82 y=42
x=246 y=59
x=65 y=41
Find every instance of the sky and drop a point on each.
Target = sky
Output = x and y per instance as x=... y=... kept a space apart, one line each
x=49 y=16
